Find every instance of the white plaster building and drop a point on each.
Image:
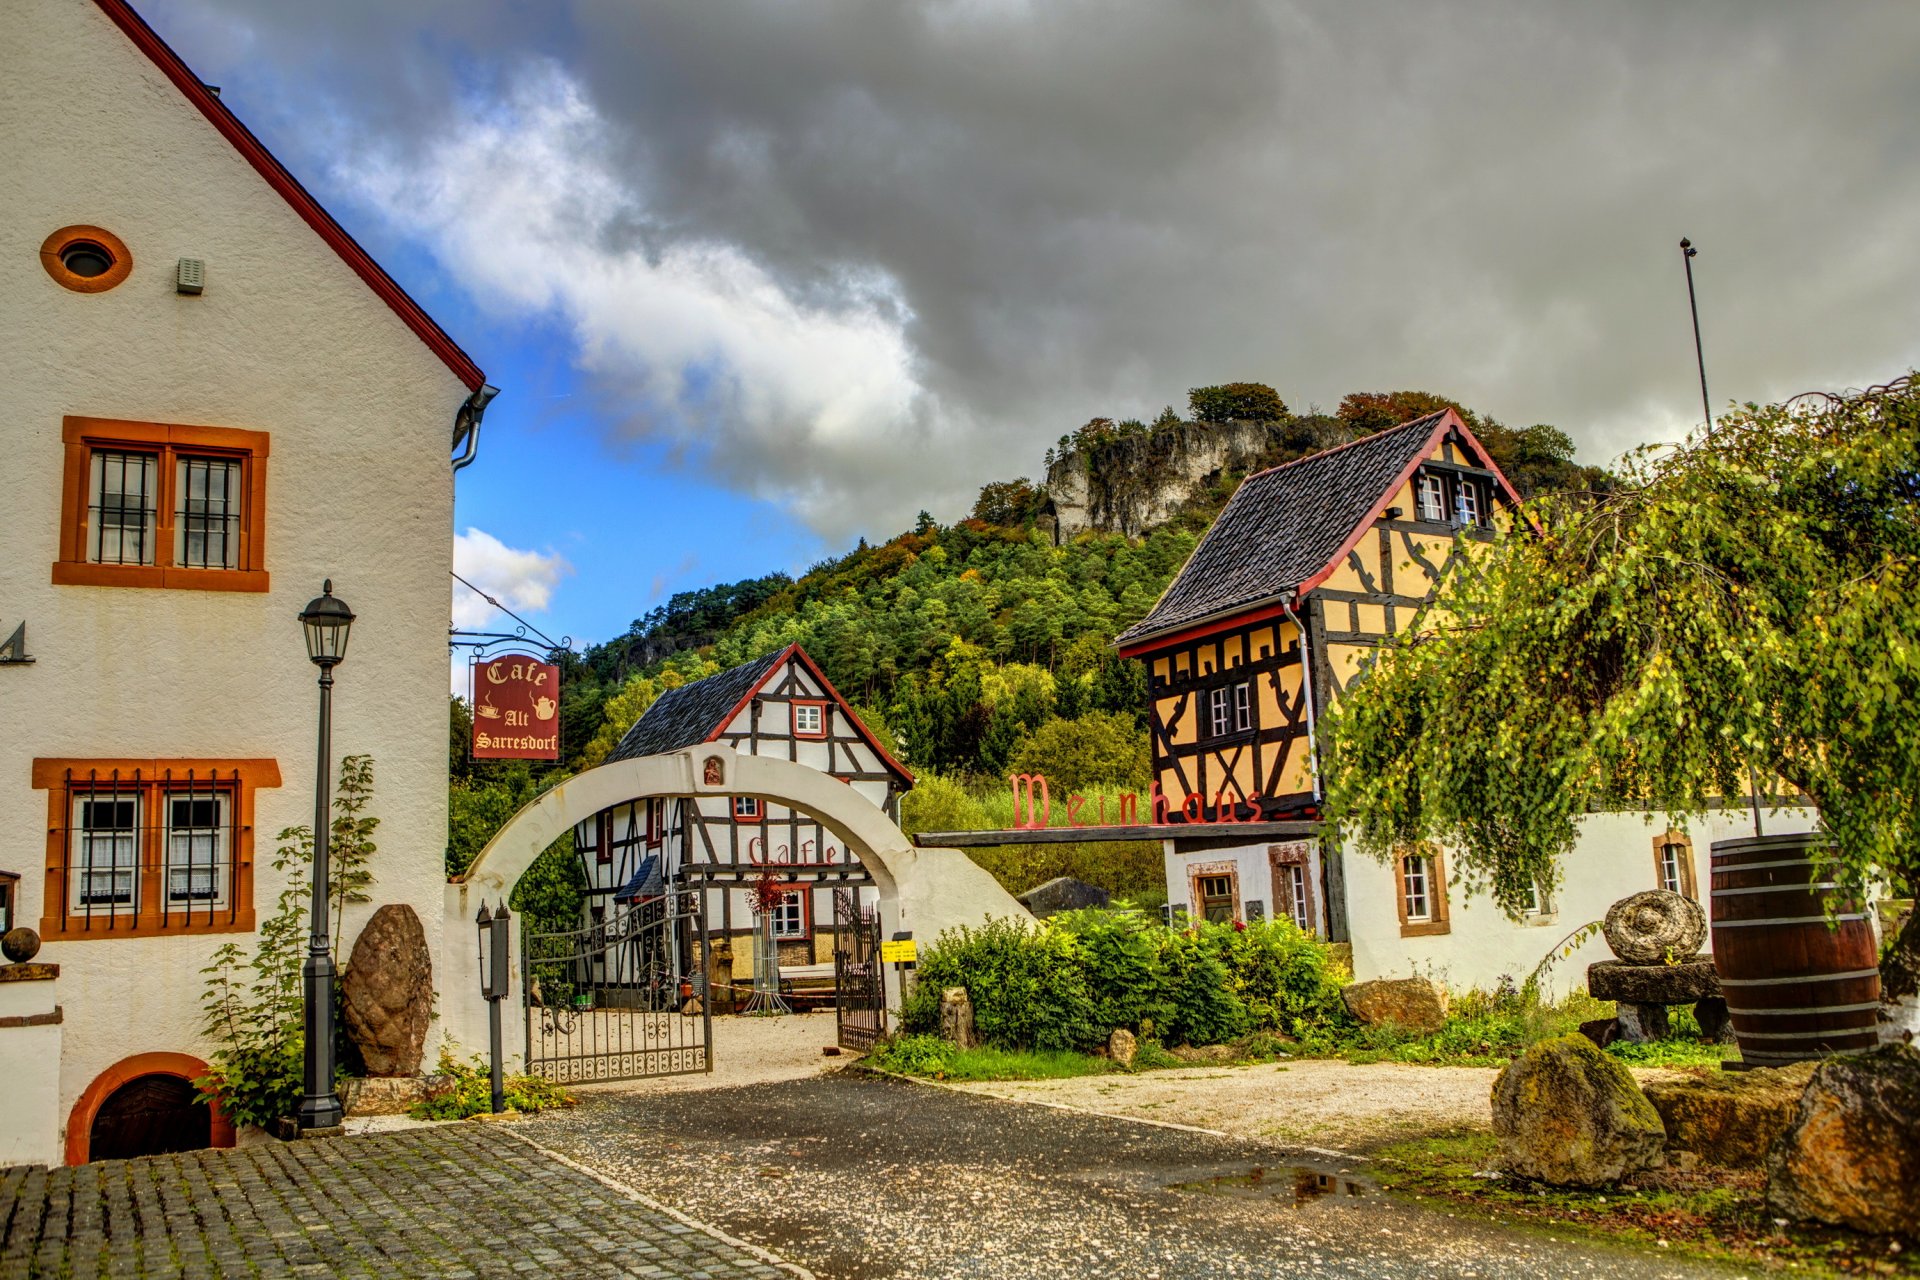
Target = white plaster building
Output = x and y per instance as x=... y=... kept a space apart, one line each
x=215 y=400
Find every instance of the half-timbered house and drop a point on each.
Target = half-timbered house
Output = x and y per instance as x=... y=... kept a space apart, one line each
x=1310 y=567
x=782 y=705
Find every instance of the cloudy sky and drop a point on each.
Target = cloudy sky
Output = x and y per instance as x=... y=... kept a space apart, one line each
x=758 y=277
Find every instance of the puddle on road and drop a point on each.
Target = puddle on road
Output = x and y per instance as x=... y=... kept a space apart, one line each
x=1297 y=1183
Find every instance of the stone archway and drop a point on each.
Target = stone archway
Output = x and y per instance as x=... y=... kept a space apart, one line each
x=924 y=891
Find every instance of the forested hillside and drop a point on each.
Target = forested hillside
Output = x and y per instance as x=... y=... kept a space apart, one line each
x=977 y=646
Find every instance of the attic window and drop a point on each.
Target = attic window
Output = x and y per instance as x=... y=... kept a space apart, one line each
x=1431 y=498
x=85 y=259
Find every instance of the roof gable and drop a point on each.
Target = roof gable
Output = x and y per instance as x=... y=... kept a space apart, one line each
x=288 y=187
x=701 y=711
x=1285 y=528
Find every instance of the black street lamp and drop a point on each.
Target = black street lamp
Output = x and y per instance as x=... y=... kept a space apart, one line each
x=494 y=971
x=326 y=620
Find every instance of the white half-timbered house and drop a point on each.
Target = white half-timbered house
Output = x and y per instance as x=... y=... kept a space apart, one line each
x=780 y=705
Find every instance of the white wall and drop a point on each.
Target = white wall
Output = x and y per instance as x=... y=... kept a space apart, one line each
x=286 y=340
x=1614 y=858
x=30 y=1122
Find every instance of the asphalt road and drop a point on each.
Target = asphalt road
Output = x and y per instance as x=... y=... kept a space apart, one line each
x=859 y=1178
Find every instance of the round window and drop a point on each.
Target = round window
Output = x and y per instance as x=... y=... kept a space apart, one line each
x=86 y=259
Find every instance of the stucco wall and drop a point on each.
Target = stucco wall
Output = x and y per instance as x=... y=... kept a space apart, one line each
x=1614 y=858
x=285 y=340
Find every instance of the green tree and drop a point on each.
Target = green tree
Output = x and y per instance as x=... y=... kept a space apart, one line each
x=1231 y=401
x=1100 y=748
x=1743 y=606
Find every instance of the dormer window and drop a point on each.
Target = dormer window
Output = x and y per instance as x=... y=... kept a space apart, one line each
x=1466 y=504
x=1430 y=497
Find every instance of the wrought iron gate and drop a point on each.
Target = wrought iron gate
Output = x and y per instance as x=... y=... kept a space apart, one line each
x=623 y=998
x=859 y=986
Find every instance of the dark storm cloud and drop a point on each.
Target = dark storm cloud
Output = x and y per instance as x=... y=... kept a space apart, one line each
x=1027 y=214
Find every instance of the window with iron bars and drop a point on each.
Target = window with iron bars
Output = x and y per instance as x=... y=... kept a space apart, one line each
x=153 y=849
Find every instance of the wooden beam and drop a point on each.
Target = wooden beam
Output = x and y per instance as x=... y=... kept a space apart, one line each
x=1080 y=835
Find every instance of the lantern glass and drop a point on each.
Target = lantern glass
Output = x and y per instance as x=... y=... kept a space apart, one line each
x=485 y=922
x=327 y=622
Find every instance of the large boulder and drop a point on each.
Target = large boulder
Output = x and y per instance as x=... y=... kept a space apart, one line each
x=1568 y=1114
x=387 y=992
x=1412 y=1004
x=1729 y=1118
x=1656 y=927
x=1063 y=893
x=1851 y=1156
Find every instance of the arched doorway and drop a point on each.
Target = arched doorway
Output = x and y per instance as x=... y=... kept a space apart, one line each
x=144 y=1106
x=922 y=892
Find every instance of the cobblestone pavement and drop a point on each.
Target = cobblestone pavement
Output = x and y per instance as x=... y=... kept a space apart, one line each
x=456 y=1201
x=865 y=1178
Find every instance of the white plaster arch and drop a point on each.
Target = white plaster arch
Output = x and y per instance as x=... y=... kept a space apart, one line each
x=925 y=891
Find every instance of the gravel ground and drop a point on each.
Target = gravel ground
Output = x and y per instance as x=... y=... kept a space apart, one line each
x=858 y=1178
x=1317 y=1103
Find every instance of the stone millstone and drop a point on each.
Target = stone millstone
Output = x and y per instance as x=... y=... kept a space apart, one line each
x=1851 y=1157
x=1569 y=1115
x=388 y=992
x=1653 y=983
x=1656 y=927
x=1730 y=1118
x=1412 y=1004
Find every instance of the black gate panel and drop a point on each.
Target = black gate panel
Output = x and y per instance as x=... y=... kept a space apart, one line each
x=860 y=993
x=620 y=999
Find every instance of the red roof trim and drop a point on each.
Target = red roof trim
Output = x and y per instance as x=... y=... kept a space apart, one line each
x=795 y=651
x=1449 y=420
x=1200 y=631
x=302 y=201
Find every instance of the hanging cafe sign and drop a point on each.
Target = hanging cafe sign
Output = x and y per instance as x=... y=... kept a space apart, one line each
x=516 y=709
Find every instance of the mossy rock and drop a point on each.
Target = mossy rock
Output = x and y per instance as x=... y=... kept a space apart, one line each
x=1569 y=1115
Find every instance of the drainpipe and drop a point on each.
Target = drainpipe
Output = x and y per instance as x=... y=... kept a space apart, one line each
x=1306 y=684
x=466 y=423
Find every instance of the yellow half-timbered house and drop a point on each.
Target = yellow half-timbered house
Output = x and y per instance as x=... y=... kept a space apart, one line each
x=1310 y=567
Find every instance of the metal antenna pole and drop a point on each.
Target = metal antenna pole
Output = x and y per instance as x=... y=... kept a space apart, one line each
x=1687 y=252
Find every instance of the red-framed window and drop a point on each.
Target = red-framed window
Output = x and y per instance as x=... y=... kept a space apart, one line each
x=809 y=718
x=747 y=809
x=656 y=821
x=793 y=915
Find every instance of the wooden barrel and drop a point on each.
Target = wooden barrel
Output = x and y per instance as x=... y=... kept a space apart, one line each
x=1798 y=983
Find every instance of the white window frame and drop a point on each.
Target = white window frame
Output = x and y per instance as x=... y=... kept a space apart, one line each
x=146 y=533
x=790 y=916
x=1243 y=706
x=215 y=894
x=1296 y=878
x=747 y=809
x=1672 y=878
x=122 y=856
x=815 y=716
x=221 y=521
x=1416 y=880
x=1466 y=504
x=1430 y=498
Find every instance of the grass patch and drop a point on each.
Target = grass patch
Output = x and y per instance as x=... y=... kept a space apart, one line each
x=938 y=1059
x=1707 y=1211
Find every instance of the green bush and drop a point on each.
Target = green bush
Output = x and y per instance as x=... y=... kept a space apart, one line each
x=1029 y=987
x=1069 y=983
x=466 y=1089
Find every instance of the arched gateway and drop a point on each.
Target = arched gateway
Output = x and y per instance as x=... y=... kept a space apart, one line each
x=922 y=891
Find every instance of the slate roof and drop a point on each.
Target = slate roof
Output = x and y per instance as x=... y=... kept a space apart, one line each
x=1283 y=526
x=692 y=713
